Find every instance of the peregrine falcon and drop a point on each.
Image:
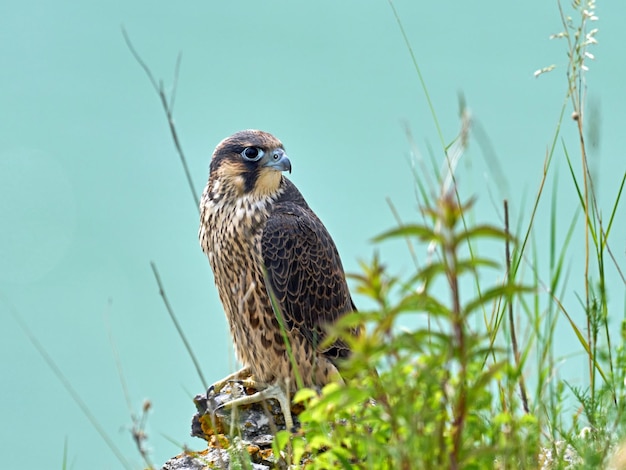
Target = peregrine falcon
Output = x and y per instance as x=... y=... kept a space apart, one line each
x=274 y=262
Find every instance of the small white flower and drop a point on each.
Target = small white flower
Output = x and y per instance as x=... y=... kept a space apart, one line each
x=543 y=70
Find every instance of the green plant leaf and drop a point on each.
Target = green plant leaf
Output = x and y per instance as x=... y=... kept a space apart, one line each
x=482 y=231
x=420 y=232
x=506 y=291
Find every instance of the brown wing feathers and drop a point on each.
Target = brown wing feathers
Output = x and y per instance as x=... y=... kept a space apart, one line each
x=305 y=273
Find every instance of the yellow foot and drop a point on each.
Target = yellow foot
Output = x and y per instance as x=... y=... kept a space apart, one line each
x=241 y=375
x=265 y=392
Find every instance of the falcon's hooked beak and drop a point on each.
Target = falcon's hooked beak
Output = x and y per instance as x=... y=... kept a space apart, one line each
x=277 y=160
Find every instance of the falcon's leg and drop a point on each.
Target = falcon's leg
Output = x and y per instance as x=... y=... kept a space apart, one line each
x=269 y=391
x=241 y=374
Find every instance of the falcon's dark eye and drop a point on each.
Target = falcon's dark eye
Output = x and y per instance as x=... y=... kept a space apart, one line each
x=252 y=154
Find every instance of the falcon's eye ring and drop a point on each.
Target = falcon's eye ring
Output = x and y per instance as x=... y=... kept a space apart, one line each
x=252 y=154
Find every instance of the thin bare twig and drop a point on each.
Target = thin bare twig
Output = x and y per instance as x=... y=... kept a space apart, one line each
x=139 y=434
x=139 y=424
x=181 y=334
x=52 y=365
x=179 y=59
x=507 y=248
x=116 y=358
x=168 y=107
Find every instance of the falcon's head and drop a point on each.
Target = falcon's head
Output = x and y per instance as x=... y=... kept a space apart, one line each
x=249 y=162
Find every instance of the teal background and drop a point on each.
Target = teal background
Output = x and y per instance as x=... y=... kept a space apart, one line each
x=91 y=189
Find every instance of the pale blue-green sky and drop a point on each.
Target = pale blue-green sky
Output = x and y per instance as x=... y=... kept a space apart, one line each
x=91 y=188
